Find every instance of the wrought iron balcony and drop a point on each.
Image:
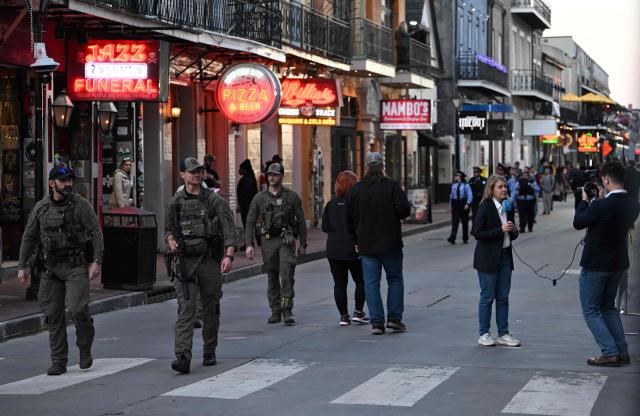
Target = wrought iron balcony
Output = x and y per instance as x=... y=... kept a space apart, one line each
x=240 y=18
x=526 y=80
x=312 y=31
x=475 y=67
x=372 y=41
x=535 y=12
x=569 y=115
x=413 y=55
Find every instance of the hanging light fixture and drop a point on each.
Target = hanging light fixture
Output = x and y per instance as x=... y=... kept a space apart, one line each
x=107 y=112
x=175 y=112
x=62 y=109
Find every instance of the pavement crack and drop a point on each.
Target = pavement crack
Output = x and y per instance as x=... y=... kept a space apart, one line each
x=438 y=301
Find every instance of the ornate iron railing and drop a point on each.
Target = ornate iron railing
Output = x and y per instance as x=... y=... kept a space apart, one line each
x=372 y=41
x=529 y=80
x=538 y=5
x=473 y=66
x=413 y=55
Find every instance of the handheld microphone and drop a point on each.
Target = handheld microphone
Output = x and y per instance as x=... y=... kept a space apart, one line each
x=507 y=205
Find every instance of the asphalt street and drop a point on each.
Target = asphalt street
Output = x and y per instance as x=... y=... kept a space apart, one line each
x=319 y=368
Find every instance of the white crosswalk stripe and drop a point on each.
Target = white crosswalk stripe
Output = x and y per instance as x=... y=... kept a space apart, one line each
x=398 y=386
x=241 y=381
x=572 y=394
x=43 y=383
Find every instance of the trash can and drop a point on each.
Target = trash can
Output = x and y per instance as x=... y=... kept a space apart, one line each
x=130 y=239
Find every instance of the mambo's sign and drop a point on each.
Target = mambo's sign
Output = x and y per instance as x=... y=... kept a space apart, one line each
x=248 y=93
x=123 y=70
x=405 y=115
x=310 y=101
x=472 y=122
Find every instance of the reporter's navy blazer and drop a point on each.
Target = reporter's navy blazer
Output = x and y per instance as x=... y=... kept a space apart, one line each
x=487 y=230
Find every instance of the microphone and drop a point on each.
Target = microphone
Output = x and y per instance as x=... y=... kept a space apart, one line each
x=507 y=205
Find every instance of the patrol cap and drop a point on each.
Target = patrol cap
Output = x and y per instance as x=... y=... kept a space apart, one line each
x=374 y=158
x=461 y=174
x=190 y=164
x=275 y=169
x=61 y=172
x=477 y=169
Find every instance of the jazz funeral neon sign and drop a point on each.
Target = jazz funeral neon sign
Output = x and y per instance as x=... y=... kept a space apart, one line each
x=248 y=93
x=123 y=70
x=309 y=102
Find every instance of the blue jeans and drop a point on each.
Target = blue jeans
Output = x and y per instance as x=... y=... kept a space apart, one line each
x=372 y=267
x=496 y=286
x=597 y=295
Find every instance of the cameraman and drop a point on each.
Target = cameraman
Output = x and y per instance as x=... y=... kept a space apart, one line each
x=604 y=259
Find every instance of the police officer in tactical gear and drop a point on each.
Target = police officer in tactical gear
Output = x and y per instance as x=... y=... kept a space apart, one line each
x=477 y=184
x=64 y=240
x=281 y=219
x=200 y=227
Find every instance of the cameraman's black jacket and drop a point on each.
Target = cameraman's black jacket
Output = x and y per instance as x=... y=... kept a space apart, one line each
x=608 y=221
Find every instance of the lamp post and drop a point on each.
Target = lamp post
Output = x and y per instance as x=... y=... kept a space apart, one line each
x=107 y=112
x=62 y=109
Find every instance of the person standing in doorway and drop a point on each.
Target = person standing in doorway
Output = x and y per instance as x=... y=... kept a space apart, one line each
x=246 y=190
x=376 y=206
x=341 y=251
x=460 y=200
x=122 y=195
x=210 y=175
x=279 y=210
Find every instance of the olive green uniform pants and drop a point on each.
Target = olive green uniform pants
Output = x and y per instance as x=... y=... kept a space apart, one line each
x=206 y=280
x=280 y=264
x=68 y=286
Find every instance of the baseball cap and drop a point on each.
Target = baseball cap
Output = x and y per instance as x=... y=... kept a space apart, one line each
x=190 y=164
x=61 y=172
x=374 y=158
x=275 y=169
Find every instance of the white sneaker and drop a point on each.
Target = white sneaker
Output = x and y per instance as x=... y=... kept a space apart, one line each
x=486 y=340
x=508 y=341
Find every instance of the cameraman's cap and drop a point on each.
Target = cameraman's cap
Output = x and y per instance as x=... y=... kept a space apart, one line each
x=190 y=164
x=61 y=172
x=275 y=169
x=374 y=158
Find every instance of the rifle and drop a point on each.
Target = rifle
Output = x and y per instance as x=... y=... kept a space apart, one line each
x=179 y=269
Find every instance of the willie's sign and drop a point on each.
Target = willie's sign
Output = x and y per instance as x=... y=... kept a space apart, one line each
x=311 y=101
x=472 y=122
x=118 y=70
x=405 y=115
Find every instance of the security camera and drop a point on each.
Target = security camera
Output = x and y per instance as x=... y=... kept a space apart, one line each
x=43 y=63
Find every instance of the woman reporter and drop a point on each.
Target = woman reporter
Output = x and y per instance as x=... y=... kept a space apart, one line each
x=494 y=231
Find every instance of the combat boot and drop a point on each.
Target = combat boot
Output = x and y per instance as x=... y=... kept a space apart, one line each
x=86 y=360
x=181 y=365
x=208 y=359
x=287 y=316
x=275 y=317
x=57 y=368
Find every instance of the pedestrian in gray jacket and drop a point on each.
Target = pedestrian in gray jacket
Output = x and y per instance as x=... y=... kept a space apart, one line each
x=548 y=183
x=122 y=195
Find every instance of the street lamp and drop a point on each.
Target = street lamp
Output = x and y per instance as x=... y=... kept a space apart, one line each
x=107 y=112
x=62 y=109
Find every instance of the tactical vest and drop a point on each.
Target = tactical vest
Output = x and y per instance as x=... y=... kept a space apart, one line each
x=196 y=225
x=63 y=238
x=278 y=216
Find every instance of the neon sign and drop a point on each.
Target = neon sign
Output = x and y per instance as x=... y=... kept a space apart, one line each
x=122 y=70
x=587 y=143
x=248 y=93
x=311 y=101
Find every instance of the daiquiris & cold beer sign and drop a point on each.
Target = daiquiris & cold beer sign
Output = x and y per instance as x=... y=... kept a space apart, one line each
x=472 y=122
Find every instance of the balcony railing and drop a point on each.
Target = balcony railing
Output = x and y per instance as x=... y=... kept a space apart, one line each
x=473 y=66
x=528 y=80
x=310 y=30
x=372 y=41
x=413 y=55
x=240 y=18
x=569 y=115
x=537 y=5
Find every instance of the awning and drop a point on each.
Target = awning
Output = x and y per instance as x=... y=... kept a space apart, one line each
x=571 y=98
x=596 y=99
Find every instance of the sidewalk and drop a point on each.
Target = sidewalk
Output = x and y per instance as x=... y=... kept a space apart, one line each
x=19 y=317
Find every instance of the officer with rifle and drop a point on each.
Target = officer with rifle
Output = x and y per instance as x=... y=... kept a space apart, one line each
x=63 y=242
x=279 y=212
x=201 y=239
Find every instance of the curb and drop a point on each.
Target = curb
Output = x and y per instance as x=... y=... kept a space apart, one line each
x=29 y=324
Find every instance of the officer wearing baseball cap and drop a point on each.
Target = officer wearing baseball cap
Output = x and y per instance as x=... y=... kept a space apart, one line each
x=199 y=225
x=64 y=235
x=279 y=212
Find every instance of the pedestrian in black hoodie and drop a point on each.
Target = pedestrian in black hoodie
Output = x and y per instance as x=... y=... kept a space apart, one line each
x=341 y=251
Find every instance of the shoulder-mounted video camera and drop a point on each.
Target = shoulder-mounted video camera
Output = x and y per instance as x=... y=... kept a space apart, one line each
x=591 y=178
